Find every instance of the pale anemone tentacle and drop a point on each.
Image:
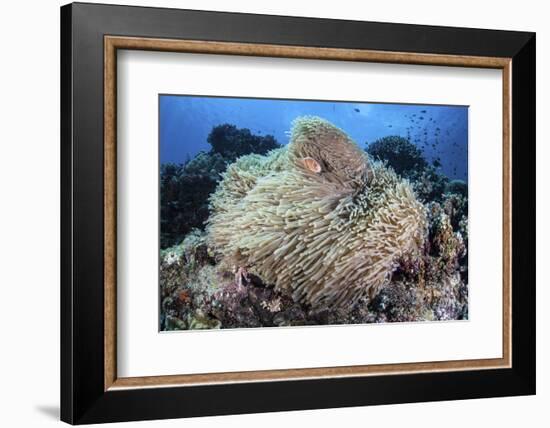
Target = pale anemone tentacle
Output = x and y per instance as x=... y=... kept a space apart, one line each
x=330 y=235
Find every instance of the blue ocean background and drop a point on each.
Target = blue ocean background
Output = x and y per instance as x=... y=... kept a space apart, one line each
x=440 y=132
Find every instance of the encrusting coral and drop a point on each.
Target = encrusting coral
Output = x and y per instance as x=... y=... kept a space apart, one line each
x=316 y=218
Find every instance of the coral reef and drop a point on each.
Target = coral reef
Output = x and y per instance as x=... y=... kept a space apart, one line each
x=433 y=285
x=197 y=292
x=407 y=160
x=185 y=188
x=458 y=187
x=429 y=185
x=456 y=207
x=404 y=157
x=184 y=195
x=231 y=142
x=329 y=237
x=315 y=233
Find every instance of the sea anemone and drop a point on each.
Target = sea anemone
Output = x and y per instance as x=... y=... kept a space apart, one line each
x=316 y=217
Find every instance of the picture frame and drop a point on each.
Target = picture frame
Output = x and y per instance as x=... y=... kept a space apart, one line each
x=91 y=36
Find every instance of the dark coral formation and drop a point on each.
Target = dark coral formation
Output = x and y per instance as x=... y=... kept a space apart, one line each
x=185 y=188
x=184 y=191
x=232 y=142
x=404 y=157
x=458 y=187
x=429 y=184
x=407 y=160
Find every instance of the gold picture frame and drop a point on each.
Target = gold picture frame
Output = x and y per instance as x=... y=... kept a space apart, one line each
x=114 y=43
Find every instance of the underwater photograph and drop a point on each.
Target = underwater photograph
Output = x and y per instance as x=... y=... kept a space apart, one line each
x=280 y=212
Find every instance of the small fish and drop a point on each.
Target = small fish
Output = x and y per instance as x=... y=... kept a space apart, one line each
x=357 y=110
x=389 y=126
x=312 y=165
x=423 y=111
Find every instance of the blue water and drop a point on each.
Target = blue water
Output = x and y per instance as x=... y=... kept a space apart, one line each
x=441 y=132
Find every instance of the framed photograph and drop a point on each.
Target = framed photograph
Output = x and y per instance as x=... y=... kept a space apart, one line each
x=266 y=213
